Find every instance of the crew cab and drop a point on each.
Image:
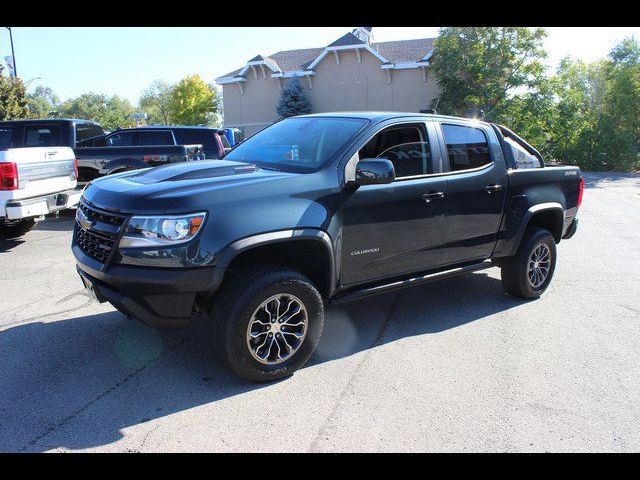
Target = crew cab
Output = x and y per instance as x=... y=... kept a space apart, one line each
x=316 y=210
x=213 y=140
x=96 y=157
x=37 y=177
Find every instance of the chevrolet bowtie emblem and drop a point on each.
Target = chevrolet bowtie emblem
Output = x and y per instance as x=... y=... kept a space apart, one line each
x=83 y=220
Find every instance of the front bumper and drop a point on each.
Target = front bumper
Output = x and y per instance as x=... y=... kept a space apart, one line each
x=158 y=297
x=34 y=207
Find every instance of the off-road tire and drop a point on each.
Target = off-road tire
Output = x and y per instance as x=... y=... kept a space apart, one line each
x=235 y=307
x=516 y=269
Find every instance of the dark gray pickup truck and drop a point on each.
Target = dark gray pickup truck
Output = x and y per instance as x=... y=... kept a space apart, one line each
x=318 y=210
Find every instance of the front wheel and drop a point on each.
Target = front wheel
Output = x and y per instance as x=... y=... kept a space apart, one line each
x=268 y=322
x=528 y=273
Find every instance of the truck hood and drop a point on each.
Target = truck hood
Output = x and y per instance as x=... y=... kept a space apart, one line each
x=177 y=187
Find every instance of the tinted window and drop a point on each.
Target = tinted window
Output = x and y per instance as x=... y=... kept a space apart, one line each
x=86 y=131
x=5 y=137
x=121 y=139
x=43 y=136
x=156 y=137
x=297 y=144
x=467 y=147
x=196 y=136
x=407 y=147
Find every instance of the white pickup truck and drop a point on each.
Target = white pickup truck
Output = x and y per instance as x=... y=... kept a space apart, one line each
x=36 y=177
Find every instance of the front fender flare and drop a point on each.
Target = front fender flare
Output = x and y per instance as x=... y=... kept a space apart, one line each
x=231 y=251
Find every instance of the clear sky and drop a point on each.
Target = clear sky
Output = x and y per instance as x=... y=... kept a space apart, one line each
x=124 y=61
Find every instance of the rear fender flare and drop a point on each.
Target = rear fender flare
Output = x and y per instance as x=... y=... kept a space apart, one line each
x=529 y=214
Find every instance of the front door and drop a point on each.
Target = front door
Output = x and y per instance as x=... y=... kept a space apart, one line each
x=395 y=229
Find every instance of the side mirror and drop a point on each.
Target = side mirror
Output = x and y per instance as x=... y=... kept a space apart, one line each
x=374 y=171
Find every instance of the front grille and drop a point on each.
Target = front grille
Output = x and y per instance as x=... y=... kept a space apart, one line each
x=96 y=216
x=97 y=243
x=94 y=245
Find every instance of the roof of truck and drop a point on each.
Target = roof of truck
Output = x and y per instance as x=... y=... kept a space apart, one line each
x=380 y=116
x=49 y=120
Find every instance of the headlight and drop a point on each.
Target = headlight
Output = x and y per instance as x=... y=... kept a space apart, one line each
x=161 y=230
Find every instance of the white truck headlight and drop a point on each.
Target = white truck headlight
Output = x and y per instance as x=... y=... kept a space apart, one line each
x=161 y=230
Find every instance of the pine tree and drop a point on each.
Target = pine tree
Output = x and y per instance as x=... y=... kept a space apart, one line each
x=293 y=100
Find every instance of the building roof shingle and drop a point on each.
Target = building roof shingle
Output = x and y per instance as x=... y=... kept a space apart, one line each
x=398 y=51
x=347 y=39
x=403 y=51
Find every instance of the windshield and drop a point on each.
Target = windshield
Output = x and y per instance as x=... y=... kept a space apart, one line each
x=300 y=145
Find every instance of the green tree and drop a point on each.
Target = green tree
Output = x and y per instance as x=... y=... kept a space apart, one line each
x=13 y=98
x=155 y=101
x=598 y=122
x=620 y=122
x=193 y=101
x=42 y=102
x=487 y=67
x=293 y=100
x=110 y=112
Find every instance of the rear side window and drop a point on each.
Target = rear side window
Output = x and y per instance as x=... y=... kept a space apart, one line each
x=156 y=137
x=121 y=139
x=467 y=147
x=196 y=136
x=43 y=136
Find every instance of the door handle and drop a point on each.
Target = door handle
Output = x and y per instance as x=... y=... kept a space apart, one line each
x=427 y=197
x=493 y=188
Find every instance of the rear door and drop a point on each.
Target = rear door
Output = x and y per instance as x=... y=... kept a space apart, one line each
x=476 y=189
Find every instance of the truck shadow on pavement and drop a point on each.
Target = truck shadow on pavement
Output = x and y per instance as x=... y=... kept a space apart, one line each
x=76 y=383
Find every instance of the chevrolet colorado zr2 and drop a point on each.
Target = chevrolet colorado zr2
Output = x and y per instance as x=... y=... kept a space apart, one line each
x=316 y=210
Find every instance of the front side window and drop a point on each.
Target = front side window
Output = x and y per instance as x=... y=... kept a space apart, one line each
x=467 y=147
x=120 y=139
x=407 y=147
x=303 y=145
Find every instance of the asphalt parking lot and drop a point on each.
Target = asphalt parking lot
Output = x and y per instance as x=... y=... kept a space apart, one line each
x=456 y=365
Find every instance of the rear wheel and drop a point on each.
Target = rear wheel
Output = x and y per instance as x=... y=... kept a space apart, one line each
x=528 y=273
x=268 y=321
x=15 y=228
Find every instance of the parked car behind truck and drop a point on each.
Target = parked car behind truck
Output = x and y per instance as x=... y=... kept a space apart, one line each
x=97 y=156
x=37 y=176
x=213 y=141
x=321 y=209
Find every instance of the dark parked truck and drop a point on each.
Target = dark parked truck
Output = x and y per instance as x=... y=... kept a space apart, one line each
x=318 y=210
x=213 y=140
x=95 y=153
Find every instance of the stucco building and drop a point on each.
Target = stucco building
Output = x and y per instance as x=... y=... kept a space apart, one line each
x=352 y=73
